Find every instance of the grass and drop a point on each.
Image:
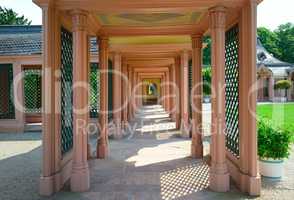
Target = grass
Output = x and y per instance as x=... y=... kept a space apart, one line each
x=281 y=114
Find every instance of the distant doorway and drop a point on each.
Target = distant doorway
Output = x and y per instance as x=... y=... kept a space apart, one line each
x=151 y=91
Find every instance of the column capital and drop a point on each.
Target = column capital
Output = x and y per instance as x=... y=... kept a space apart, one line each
x=217 y=17
x=103 y=42
x=196 y=41
x=79 y=20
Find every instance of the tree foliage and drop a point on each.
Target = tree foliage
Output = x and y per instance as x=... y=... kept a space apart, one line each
x=9 y=17
x=283 y=84
x=280 y=43
x=206 y=74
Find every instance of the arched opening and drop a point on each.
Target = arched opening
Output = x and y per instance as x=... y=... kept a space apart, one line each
x=151 y=91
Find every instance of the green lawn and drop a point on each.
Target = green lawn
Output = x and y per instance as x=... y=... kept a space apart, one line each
x=281 y=114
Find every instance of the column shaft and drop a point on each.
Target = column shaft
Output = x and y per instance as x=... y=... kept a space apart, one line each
x=250 y=179
x=51 y=61
x=219 y=176
x=102 y=144
x=196 y=146
x=184 y=93
x=80 y=178
x=117 y=94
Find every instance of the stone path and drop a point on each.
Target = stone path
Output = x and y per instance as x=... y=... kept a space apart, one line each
x=138 y=168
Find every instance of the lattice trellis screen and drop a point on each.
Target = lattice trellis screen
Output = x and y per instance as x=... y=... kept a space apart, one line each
x=232 y=90
x=32 y=90
x=66 y=91
x=190 y=87
x=94 y=90
x=7 y=110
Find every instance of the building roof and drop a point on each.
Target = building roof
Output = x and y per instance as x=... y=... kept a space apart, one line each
x=263 y=57
x=25 y=40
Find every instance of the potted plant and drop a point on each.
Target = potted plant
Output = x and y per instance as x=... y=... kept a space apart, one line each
x=274 y=145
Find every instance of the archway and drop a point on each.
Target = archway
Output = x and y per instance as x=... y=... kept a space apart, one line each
x=151 y=91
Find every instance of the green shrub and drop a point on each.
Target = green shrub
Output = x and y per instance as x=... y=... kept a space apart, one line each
x=273 y=142
x=206 y=74
x=283 y=84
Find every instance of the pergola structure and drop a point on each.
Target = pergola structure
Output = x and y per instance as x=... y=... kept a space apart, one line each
x=152 y=39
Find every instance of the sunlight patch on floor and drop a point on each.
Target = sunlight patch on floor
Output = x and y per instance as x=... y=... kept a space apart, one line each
x=17 y=147
x=180 y=182
x=161 y=153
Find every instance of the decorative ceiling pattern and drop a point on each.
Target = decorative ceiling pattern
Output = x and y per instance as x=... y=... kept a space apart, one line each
x=148 y=19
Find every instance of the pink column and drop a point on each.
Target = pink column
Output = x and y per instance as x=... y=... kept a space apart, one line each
x=271 y=91
x=130 y=98
x=184 y=93
x=250 y=179
x=80 y=177
x=219 y=175
x=125 y=93
x=196 y=146
x=102 y=143
x=261 y=88
x=178 y=92
x=117 y=95
x=172 y=92
x=167 y=97
x=51 y=50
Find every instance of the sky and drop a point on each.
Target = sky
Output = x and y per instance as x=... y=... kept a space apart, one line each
x=271 y=13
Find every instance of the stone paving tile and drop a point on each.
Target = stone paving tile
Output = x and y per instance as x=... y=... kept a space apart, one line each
x=137 y=169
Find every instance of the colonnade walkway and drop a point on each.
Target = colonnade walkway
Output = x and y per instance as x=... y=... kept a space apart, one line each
x=143 y=166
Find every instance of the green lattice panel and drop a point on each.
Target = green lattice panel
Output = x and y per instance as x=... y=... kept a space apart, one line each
x=66 y=91
x=94 y=90
x=190 y=88
x=32 y=90
x=232 y=90
x=7 y=110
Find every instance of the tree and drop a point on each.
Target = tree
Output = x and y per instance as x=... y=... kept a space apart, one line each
x=269 y=40
x=285 y=42
x=207 y=50
x=9 y=17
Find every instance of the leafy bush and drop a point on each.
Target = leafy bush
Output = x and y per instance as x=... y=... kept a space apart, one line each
x=283 y=84
x=273 y=142
x=206 y=74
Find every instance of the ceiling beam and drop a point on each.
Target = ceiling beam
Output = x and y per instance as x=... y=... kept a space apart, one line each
x=150 y=6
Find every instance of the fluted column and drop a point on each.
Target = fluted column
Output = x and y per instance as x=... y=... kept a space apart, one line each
x=130 y=99
x=184 y=93
x=219 y=175
x=117 y=94
x=50 y=58
x=173 y=92
x=250 y=179
x=271 y=91
x=196 y=146
x=102 y=143
x=178 y=91
x=80 y=178
x=125 y=93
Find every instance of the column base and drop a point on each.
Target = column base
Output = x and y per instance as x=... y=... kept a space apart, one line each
x=196 y=151
x=219 y=182
x=80 y=178
x=89 y=152
x=251 y=185
x=102 y=151
x=46 y=187
x=254 y=187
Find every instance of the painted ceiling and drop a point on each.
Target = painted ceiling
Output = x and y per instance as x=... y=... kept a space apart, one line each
x=148 y=19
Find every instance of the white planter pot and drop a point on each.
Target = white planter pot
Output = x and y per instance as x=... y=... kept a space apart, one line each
x=271 y=168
